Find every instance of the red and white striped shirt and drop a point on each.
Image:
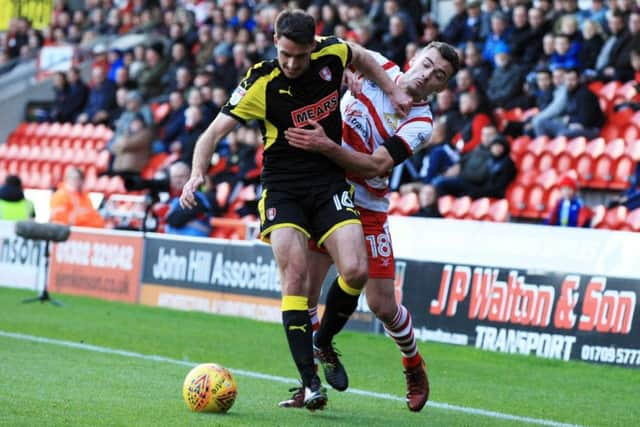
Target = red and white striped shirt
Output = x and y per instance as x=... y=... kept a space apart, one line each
x=369 y=120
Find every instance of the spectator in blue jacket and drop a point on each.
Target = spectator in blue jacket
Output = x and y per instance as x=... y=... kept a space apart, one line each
x=498 y=39
x=186 y=221
x=102 y=99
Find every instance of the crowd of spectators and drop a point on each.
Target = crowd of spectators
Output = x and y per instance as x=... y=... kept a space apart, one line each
x=517 y=54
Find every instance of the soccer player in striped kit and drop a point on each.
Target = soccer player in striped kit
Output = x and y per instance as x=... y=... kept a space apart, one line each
x=374 y=140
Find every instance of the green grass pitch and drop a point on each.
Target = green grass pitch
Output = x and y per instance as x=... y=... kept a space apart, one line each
x=45 y=383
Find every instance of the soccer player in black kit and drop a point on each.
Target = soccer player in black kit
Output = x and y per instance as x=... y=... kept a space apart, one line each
x=305 y=195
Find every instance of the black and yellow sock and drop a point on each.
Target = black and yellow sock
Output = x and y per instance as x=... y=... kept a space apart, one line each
x=342 y=301
x=297 y=328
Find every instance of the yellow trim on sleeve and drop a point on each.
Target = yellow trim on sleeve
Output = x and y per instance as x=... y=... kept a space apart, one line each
x=341 y=50
x=261 y=213
x=271 y=134
x=253 y=105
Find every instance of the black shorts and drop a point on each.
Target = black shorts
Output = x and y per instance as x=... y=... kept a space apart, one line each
x=316 y=210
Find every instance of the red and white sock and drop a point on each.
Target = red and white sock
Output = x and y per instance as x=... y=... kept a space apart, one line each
x=401 y=331
x=313 y=315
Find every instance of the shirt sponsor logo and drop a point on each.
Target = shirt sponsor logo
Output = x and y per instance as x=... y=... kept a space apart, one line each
x=316 y=111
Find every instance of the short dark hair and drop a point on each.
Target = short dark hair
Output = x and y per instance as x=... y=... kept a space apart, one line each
x=296 y=25
x=13 y=181
x=544 y=70
x=449 y=53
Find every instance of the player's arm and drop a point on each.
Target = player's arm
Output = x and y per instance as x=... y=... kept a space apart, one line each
x=371 y=70
x=204 y=149
x=247 y=102
x=379 y=163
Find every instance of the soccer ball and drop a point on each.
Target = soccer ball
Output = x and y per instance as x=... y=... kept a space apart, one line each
x=209 y=388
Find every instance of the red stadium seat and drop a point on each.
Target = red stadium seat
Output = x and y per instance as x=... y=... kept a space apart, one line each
x=90 y=178
x=529 y=159
x=620 y=119
x=553 y=196
x=46 y=181
x=160 y=111
x=460 y=207
x=41 y=130
x=622 y=172
x=567 y=160
x=153 y=165
x=479 y=209
x=24 y=152
x=409 y=204
x=632 y=222
x=102 y=161
x=101 y=184
x=115 y=186
x=633 y=149
x=536 y=203
x=552 y=149
x=519 y=147
x=21 y=130
x=585 y=162
x=631 y=133
x=445 y=203
x=606 y=163
x=54 y=130
x=516 y=196
x=608 y=91
x=597 y=217
x=538 y=195
x=499 y=211
x=56 y=173
x=527 y=178
x=222 y=193
x=614 y=218
x=610 y=131
x=12 y=167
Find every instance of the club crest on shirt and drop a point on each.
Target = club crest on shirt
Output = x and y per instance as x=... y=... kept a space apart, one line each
x=271 y=214
x=392 y=119
x=325 y=74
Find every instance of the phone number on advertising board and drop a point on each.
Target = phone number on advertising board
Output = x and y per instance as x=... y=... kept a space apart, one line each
x=623 y=356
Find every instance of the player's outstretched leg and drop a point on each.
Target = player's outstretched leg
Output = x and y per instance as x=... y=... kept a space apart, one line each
x=342 y=301
x=400 y=329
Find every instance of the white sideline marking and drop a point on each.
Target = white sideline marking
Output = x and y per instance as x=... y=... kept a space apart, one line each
x=251 y=374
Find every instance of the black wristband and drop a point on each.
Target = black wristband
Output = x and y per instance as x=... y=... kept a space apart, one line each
x=397 y=149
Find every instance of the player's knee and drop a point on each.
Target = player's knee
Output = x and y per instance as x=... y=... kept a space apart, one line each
x=383 y=308
x=355 y=274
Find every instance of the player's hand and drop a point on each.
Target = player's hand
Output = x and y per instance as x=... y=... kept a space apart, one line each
x=188 y=198
x=352 y=82
x=401 y=102
x=314 y=139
